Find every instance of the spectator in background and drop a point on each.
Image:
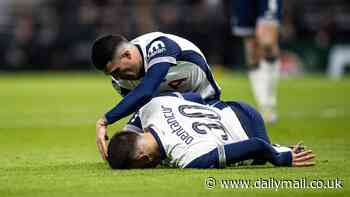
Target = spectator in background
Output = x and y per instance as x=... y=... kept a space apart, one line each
x=56 y=36
x=52 y=34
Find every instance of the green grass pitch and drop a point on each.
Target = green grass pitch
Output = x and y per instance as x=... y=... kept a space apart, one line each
x=47 y=139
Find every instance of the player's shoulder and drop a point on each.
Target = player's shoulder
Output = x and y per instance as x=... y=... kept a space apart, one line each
x=162 y=99
x=147 y=38
x=155 y=44
x=155 y=40
x=158 y=101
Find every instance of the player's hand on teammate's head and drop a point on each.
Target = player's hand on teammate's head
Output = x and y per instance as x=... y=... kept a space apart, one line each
x=302 y=157
x=101 y=137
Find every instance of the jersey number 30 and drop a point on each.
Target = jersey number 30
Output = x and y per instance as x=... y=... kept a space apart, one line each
x=213 y=123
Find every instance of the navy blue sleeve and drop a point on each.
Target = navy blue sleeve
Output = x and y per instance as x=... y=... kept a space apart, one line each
x=240 y=151
x=209 y=160
x=256 y=148
x=194 y=97
x=140 y=95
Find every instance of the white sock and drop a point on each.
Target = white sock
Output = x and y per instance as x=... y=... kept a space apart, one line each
x=256 y=77
x=263 y=81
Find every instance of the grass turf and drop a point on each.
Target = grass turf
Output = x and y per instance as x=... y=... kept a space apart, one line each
x=47 y=139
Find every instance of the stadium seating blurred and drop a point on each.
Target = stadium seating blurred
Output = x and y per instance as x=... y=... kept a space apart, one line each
x=57 y=34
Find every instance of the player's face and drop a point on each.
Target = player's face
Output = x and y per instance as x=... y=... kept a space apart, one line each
x=145 y=161
x=125 y=66
x=145 y=158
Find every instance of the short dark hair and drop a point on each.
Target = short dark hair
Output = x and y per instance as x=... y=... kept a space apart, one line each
x=103 y=49
x=121 y=150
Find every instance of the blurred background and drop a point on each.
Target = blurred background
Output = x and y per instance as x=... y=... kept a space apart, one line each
x=57 y=34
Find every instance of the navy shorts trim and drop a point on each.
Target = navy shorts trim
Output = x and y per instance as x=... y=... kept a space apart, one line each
x=246 y=13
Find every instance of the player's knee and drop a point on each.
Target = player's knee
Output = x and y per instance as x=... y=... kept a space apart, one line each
x=251 y=53
x=259 y=143
x=267 y=40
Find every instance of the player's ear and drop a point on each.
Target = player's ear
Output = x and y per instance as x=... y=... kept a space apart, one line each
x=126 y=54
x=145 y=158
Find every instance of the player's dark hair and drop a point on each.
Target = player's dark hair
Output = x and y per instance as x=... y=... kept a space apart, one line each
x=121 y=150
x=103 y=49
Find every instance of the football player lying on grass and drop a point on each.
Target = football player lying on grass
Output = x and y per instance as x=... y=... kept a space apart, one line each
x=141 y=68
x=187 y=134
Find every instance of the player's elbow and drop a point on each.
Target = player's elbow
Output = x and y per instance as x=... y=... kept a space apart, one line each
x=146 y=96
x=258 y=142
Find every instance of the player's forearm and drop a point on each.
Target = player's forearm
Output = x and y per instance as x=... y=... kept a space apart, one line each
x=140 y=95
x=128 y=105
x=256 y=148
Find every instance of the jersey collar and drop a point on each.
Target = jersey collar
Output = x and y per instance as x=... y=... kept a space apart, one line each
x=161 y=148
x=143 y=59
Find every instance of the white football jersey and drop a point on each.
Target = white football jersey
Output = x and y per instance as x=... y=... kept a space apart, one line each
x=190 y=70
x=186 y=130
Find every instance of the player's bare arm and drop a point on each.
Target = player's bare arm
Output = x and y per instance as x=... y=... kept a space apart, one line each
x=101 y=136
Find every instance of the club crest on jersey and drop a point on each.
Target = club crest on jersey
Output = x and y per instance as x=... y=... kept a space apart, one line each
x=156 y=48
x=175 y=84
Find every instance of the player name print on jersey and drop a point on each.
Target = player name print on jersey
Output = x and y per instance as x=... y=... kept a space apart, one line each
x=175 y=126
x=157 y=47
